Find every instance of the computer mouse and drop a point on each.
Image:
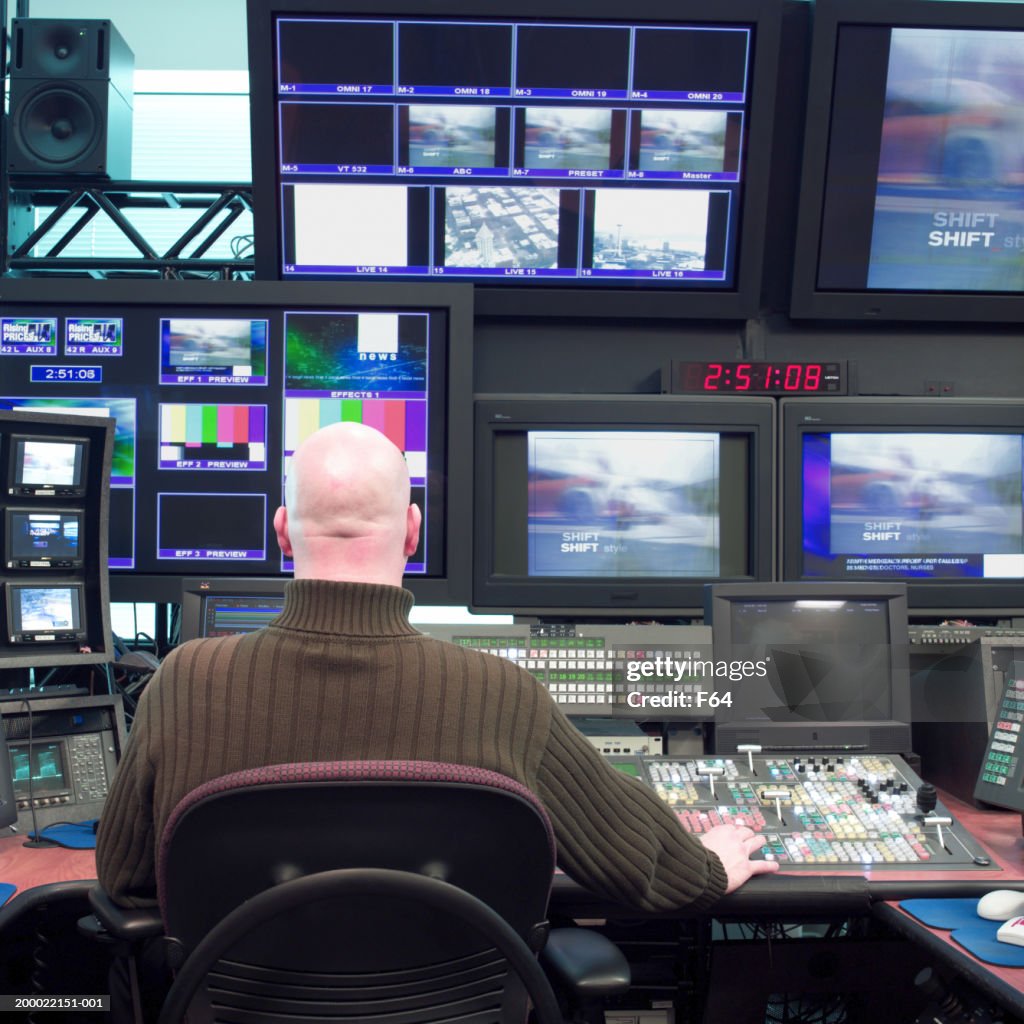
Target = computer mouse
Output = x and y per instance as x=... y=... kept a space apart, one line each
x=1001 y=905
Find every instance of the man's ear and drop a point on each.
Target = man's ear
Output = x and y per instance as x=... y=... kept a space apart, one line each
x=413 y=521
x=281 y=529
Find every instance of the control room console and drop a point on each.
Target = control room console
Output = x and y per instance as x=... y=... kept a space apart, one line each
x=817 y=812
x=599 y=670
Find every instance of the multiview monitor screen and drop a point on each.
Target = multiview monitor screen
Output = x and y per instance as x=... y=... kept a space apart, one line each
x=926 y=491
x=614 y=504
x=914 y=165
x=555 y=146
x=214 y=386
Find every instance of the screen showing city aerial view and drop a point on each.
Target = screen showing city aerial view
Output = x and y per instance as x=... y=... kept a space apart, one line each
x=948 y=213
x=504 y=151
x=622 y=504
x=501 y=227
x=648 y=231
x=914 y=505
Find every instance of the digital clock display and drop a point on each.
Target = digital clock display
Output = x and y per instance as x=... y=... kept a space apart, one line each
x=66 y=374
x=756 y=378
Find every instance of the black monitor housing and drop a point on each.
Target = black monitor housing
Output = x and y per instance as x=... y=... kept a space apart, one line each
x=55 y=510
x=43 y=538
x=570 y=158
x=909 y=206
x=211 y=386
x=50 y=612
x=47 y=467
x=615 y=506
x=919 y=490
x=220 y=607
x=829 y=666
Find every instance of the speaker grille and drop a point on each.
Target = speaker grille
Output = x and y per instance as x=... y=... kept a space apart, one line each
x=57 y=124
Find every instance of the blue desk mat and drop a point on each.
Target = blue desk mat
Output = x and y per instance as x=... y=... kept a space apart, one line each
x=6 y=892
x=79 y=835
x=945 y=914
x=975 y=934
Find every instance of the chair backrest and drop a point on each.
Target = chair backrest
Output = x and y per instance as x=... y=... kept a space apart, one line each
x=368 y=952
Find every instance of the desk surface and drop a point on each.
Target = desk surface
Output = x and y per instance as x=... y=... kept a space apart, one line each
x=999 y=831
x=25 y=867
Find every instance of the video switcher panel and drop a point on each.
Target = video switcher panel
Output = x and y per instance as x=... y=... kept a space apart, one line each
x=867 y=812
x=639 y=672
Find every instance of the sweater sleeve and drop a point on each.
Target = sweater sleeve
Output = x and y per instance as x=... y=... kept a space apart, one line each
x=615 y=836
x=126 y=842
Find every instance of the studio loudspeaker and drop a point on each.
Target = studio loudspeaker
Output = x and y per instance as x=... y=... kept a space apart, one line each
x=70 y=99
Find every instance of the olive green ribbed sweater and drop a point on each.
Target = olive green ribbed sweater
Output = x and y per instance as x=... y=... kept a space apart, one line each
x=342 y=675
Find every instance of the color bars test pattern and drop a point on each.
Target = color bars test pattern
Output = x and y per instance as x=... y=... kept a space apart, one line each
x=232 y=437
x=368 y=368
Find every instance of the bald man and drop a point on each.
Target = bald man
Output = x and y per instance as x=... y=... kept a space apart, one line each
x=340 y=674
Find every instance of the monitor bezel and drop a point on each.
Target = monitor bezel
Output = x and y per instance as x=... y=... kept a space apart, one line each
x=196 y=590
x=807 y=300
x=456 y=300
x=555 y=597
x=718 y=603
x=798 y=416
x=16 y=485
x=29 y=638
x=14 y=510
x=739 y=302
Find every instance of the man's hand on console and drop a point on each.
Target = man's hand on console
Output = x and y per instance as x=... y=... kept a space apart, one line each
x=735 y=845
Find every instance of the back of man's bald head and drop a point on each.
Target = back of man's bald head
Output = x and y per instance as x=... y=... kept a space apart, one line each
x=347 y=501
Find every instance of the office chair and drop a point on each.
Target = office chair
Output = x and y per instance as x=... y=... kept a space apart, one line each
x=407 y=891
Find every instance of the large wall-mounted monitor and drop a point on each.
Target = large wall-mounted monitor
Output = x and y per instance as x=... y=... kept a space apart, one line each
x=616 y=505
x=913 y=164
x=829 y=668
x=213 y=385
x=574 y=158
x=927 y=491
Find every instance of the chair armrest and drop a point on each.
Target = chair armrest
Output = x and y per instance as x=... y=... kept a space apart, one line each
x=119 y=923
x=585 y=963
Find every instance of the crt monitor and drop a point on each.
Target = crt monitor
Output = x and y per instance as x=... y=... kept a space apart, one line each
x=619 y=505
x=927 y=491
x=573 y=159
x=47 y=467
x=214 y=384
x=53 y=613
x=827 y=666
x=37 y=538
x=913 y=163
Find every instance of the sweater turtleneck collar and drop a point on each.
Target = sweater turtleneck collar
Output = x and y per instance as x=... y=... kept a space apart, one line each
x=346 y=609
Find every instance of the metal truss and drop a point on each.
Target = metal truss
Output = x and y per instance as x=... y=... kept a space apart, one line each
x=218 y=207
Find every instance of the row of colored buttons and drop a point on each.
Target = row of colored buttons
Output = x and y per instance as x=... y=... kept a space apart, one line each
x=701 y=821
